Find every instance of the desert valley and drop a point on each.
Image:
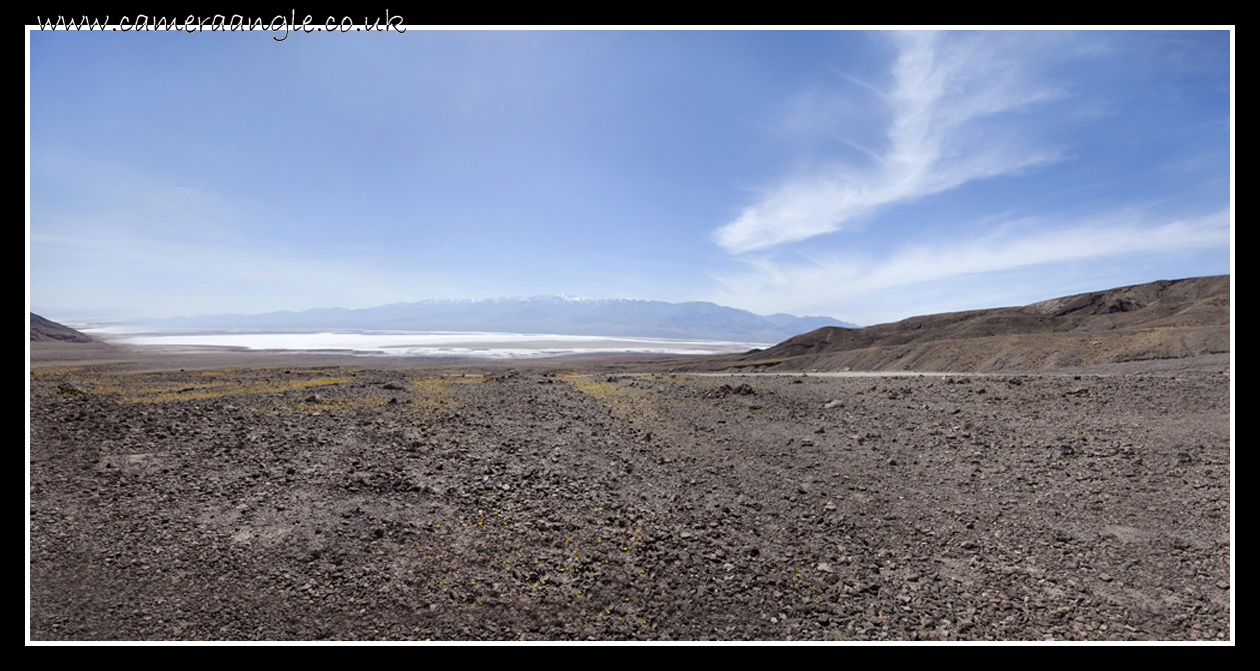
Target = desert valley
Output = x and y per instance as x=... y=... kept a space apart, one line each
x=1053 y=472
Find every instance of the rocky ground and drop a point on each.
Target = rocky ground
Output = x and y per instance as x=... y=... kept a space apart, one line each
x=348 y=504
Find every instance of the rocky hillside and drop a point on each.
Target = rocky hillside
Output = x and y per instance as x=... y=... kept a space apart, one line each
x=44 y=330
x=1168 y=319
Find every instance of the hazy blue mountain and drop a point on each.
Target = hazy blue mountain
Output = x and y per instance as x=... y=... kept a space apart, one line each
x=541 y=314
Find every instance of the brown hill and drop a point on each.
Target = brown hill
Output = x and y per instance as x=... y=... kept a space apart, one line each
x=45 y=330
x=1168 y=319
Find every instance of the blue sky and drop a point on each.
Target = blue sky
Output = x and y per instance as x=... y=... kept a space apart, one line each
x=864 y=175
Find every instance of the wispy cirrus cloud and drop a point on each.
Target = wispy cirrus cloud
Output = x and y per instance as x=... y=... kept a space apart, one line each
x=864 y=285
x=943 y=84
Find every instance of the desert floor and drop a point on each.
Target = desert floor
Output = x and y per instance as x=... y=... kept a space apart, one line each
x=346 y=502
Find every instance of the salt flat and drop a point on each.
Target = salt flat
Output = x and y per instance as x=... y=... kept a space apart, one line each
x=416 y=344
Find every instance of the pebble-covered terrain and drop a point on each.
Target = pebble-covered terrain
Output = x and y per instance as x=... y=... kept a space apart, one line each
x=343 y=504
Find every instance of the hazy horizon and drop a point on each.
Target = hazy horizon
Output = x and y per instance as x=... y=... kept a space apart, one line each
x=105 y=314
x=866 y=176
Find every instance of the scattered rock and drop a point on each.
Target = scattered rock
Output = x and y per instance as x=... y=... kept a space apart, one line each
x=512 y=510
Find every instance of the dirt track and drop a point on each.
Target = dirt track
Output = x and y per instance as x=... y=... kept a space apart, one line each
x=390 y=504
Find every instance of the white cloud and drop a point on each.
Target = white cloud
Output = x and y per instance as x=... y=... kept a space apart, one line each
x=842 y=283
x=943 y=83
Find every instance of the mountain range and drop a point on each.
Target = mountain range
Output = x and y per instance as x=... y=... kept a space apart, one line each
x=1186 y=320
x=541 y=314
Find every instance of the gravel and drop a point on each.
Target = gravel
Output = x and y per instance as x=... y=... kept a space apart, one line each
x=350 y=504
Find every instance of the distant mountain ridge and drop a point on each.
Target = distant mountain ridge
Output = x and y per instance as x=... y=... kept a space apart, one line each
x=563 y=315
